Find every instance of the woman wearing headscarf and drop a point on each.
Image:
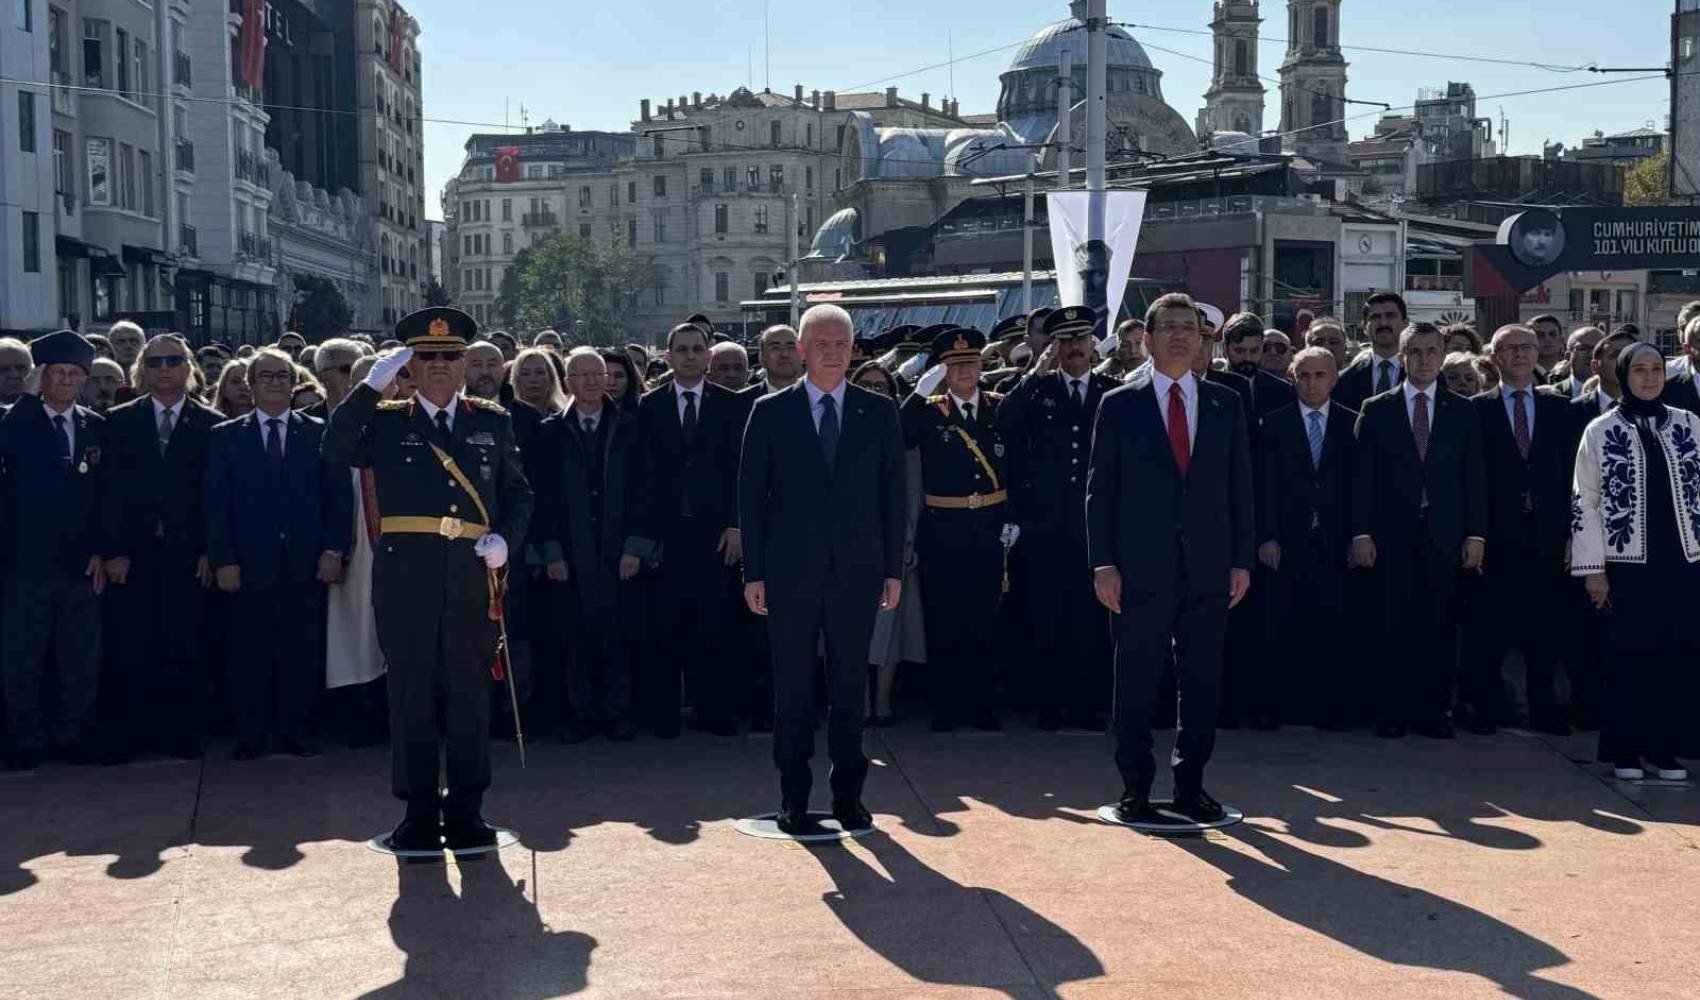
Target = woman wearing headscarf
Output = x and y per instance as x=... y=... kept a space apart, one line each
x=1635 y=542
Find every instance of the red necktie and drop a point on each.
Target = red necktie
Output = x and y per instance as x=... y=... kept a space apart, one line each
x=1179 y=442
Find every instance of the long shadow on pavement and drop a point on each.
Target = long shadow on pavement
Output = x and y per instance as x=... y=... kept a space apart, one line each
x=1387 y=920
x=488 y=941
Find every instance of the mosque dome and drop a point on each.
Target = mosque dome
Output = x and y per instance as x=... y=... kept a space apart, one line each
x=1120 y=49
x=836 y=236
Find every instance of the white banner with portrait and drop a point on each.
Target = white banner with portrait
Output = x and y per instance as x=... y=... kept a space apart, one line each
x=1093 y=268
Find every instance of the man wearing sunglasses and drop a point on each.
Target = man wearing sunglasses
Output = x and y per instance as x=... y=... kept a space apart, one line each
x=156 y=560
x=334 y=363
x=452 y=492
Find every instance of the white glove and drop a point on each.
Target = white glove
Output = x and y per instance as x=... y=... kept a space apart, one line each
x=930 y=380
x=492 y=549
x=1011 y=533
x=385 y=369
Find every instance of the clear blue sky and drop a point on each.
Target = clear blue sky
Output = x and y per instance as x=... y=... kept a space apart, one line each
x=587 y=63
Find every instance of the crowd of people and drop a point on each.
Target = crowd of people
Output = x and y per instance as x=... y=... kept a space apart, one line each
x=183 y=563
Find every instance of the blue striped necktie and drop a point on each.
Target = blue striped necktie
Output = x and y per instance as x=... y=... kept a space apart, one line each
x=1314 y=433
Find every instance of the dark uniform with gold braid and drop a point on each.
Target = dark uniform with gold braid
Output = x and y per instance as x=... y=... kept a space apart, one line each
x=958 y=546
x=430 y=591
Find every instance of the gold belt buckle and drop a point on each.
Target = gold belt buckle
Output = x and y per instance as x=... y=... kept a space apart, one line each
x=975 y=501
x=451 y=528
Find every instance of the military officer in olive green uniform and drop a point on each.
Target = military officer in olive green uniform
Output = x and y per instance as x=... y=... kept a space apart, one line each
x=453 y=500
x=964 y=525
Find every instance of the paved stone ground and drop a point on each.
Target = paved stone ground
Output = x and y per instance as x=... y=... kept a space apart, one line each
x=1365 y=869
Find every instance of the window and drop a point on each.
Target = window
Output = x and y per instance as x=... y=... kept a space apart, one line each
x=759 y=285
x=703 y=134
x=809 y=135
x=661 y=229
x=631 y=232
x=838 y=180
x=752 y=176
x=26 y=17
x=584 y=230
x=776 y=176
x=56 y=43
x=731 y=175
x=94 y=52
x=26 y=121
x=466 y=246
x=121 y=59
x=99 y=156
x=144 y=170
x=809 y=178
x=534 y=171
x=660 y=147
x=1319 y=21
x=507 y=243
x=139 y=70
x=661 y=185
x=32 y=243
x=722 y=286
x=584 y=196
x=706 y=178
x=1242 y=59
x=631 y=192
x=507 y=210
x=773 y=133
x=721 y=218
x=466 y=278
x=761 y=219
x=62 y=181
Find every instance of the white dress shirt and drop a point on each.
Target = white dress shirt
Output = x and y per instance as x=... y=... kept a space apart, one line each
x=1306 y=411
x=432 y=408
x=679 y=397
x=260 y=417
x=1505 y=397
x=1393 y=374
x=973 y=401
x=176 y=412
x=581 y=418
x=1068 y=382
x=1189 y=396
x=816 y=394
x=69 y=413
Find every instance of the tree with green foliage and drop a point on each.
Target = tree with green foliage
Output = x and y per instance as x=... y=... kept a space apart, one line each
x=568 y=283
x=320 y=312
x=437 y=295
x=1648 y=182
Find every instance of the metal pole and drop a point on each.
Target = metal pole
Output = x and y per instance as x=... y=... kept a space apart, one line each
x=1095 y=290
x=1027 y=244
x=1065 y=104
x=796 y=296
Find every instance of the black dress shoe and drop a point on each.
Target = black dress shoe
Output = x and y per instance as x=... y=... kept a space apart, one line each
x=796 y=822
x=575 y=732
x=301 y=748
x=1331 y=726
x=1390 y=732
x=82 y=753
x=1438 y=731
x=1199 y=807
x=187 y=750
x=667 y=732
x=620 y=731
x=943 y=724
x=761 y=724
x=1137 y=809
x=468 y=834
x=245 y=751
x=23 y=760
x=1549 y=725
x=1049 y=721
x=416 y=835
x=989 y=724
x=851 y=816
x=1263 y=722
x=1086 y=722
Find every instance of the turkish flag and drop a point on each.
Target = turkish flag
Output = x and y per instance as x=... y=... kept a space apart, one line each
x=253 y=44
x=507 y=163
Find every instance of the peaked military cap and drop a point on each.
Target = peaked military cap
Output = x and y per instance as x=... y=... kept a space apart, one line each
x=1036 y=318
x=439 y=328
x=62 y=347
x=1069 y=322
x=1010 y=328
x=957 y=343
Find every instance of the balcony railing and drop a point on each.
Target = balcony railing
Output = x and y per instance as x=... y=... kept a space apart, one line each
x=764 y=188
x=254 y=246
x=1434 y=282
x=186 y=244
x=538 y=220
x=62 y=102
x=184 y=155
x=182 y=70
x=251 y=168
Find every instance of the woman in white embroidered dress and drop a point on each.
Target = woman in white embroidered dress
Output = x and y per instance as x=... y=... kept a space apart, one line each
x=1635 y=542
x=354 y=665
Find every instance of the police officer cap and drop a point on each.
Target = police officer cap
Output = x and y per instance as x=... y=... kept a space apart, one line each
x=907 y=333
x=437 y=328
x=1010 y=328
x=957 y=343
x=1069 y=322
x=62 y=347
x=1036 y=318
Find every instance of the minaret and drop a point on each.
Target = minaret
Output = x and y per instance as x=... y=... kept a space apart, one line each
x=1313 y=82
x=1234 y=102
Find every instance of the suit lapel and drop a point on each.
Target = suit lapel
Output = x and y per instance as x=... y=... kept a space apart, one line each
x=1145 y=415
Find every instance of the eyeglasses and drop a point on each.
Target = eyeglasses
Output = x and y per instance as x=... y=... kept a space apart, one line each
x=165 y=361
x=438 y=355
x=284 y=376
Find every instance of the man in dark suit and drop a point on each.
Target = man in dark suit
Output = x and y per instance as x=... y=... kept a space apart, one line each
x=1048 y=419
x=1580 y=348
x=580 y=476
x=1529 y=458
x=1549 y=338
x=1242 y=345
x=820 y=496
x=51 y=480
x=1380 y=368
x=1305 y=499
x=278 y=526
x=1419 y=511
x=684 y=514
x=1170 y=535
x=157 y=563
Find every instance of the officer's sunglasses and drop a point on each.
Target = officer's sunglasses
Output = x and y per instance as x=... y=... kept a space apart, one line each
x=438 y=355
x=165 y=361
